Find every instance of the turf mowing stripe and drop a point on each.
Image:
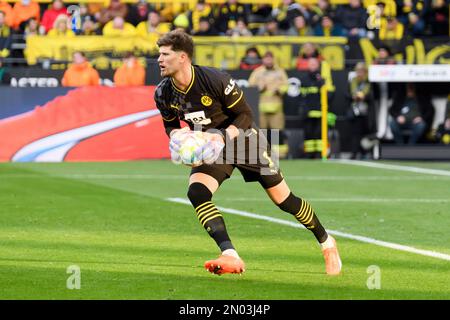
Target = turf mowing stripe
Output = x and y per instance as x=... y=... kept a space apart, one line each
x=415 y=200
x=394 y=167
x=183 y=177
x=380 y=243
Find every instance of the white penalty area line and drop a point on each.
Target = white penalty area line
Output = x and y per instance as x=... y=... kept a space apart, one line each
x=394 y=167
x=380 y=243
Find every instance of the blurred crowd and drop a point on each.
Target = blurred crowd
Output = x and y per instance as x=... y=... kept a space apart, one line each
x=388 y=21
x=381 y=18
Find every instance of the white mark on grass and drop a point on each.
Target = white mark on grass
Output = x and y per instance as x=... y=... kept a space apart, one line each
x=74 y=280
x=394 y=167
x=376 y=242
x=374 y=280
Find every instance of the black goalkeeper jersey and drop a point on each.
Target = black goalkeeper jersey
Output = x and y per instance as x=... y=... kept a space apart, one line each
x=212 y=100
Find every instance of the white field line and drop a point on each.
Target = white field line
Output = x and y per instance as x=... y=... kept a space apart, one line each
x=390 y=245
x=394 y=167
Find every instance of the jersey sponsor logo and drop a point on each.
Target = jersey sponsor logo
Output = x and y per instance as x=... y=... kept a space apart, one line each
x=230 y=87
x=198 y=117
x=206 y=101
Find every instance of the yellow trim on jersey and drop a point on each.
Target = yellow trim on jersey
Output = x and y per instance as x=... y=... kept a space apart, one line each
x=190 y=84
x=234 y=103
x=169 y=119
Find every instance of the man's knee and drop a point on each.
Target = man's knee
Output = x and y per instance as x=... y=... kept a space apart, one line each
x=198 y=193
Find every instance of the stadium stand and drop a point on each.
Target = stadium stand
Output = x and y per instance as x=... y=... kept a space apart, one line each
x=39 y=37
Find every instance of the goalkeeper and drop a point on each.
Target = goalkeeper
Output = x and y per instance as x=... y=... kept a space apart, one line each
x=206 y=98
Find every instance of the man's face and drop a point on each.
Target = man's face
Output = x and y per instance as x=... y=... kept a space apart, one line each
x=57 y=5
x=169 y=61
x=153 y=18
x=2 y=18
x=268 y=61
x=313 y=65
x=78 y=58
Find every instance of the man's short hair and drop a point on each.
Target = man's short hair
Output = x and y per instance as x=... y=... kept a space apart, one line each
x=179 y=40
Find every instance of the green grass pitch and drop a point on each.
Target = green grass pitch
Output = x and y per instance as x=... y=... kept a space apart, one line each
x=114 y=221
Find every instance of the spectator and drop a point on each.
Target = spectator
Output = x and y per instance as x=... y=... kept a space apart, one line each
x=139 y=12
x=307 y=51
x=443 y=130
x=251 y=60
x=286 y=13
x=360 y=109
x=80 y=73
x=130 y=73
x=50 y=15
x=32 y=28
x=6 y=8
x=409 y=111
x=86 y=15
x=272 y=83
x=323 y=8
x=24 y=10
x=353 y=18
x=201 y=10
x=327 y=28
x=61 y=27
x=89 y=27
x=411 y=14
x=311 y=105
x=205 y=28
x=270 y=28
x=384 y=56
x=300 y=27
x=118 y=28
x=5 y=36
x=228 y=14
x=438 y=17
x=5 y=77
x=153 y=26
x=115 y=9
x=240 y=30
x=182 y=22
x=391 y=30
x=260 y=13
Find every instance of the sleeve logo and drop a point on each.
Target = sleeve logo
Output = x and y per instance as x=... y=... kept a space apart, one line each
x=230 y=87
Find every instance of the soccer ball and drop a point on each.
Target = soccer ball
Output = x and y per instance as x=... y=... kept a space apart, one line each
x=191 y=149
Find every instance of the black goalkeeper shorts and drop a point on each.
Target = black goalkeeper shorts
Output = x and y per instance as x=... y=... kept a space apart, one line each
x=254 y=166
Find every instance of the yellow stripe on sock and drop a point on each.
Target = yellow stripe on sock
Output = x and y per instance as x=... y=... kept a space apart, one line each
x=202 y=220
x=207 y=202
x=206 y=214
x=306 y=216
x=206 y=210
x=215 y=216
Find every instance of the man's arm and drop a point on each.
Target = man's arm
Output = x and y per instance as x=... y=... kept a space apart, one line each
x=170 y=118
x=234 y=101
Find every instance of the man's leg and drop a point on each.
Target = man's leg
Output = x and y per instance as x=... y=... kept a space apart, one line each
x=282 y=196
x=201 y=188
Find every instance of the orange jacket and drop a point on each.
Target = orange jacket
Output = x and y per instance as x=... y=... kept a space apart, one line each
x=22 y=13
x=130 y=75
x=6 y=8
x=80 y=75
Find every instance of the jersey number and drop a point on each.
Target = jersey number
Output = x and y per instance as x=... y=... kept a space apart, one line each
x=198 y=117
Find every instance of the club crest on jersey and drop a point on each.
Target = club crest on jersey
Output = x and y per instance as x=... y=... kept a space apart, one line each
x=206 y=101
